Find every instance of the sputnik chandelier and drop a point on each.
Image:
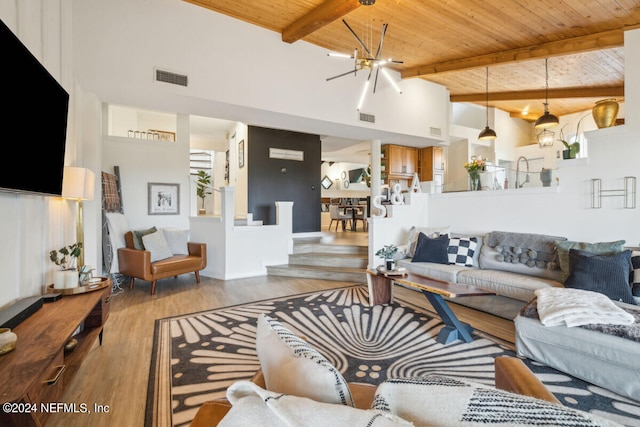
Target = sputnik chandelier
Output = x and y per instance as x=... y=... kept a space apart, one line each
x=366 y=60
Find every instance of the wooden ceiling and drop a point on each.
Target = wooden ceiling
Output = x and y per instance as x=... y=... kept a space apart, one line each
x=451 y=42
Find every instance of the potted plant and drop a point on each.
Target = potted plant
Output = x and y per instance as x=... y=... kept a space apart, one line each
x=571 y=149
x=202 y=190
x=387 y=252
x=66 y=258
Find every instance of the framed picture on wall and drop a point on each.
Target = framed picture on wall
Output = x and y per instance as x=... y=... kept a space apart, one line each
x=326 y=182
x=241 y=154
x=164 y=199
x=226 y=167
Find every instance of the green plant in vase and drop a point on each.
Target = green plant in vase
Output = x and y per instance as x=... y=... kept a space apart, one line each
x=571 y=148
x=66 y=258
x=388 y=252
x=202 y=189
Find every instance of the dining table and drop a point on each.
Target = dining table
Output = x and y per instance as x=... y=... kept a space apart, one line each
x=354 y=210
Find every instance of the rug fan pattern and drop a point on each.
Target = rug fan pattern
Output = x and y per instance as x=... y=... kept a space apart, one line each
x=197 y=356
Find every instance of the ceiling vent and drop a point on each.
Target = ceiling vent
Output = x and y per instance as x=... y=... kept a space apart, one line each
x=364 y=117
x=172 y=78
x=435 y=131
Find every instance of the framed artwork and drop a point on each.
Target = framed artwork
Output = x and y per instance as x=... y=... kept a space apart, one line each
x=326 y=182
x=226 y=167
x=241 y=154
x=164 y=199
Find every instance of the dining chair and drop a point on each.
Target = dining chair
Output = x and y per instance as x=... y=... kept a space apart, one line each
x=361 y=215
x=336 y=215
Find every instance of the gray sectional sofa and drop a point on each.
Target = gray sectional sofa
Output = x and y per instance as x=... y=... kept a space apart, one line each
x=491 y=269
x=602 y=359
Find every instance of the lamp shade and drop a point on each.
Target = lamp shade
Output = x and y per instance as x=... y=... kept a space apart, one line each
x=487 y=133
x=78 y=183
x=547 y=120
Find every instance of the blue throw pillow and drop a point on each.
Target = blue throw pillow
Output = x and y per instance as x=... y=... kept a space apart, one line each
x=606 y=274
x=432 y=250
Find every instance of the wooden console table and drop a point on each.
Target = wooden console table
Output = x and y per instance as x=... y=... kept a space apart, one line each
x=36 y=372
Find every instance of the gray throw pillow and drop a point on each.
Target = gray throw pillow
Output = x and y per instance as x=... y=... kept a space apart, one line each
x=137 y=237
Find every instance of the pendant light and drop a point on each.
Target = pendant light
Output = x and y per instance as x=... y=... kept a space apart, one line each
x=547 y=120
x=487 y=132
x=545 y=138
x=367 y=2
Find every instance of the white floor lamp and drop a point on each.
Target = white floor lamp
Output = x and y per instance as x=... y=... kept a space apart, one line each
x=78 y=184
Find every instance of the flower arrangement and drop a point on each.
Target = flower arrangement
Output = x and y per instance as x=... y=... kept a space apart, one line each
x=66 y=257
x=475 y=165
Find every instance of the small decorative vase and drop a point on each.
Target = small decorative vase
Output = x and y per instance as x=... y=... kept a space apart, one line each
x=390 y=265
x=605 y=113
x=66 y=279
x=474 y=178
x=8 y=340
x=202 y=211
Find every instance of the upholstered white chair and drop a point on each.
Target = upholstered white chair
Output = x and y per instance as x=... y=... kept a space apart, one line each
x=338 y=216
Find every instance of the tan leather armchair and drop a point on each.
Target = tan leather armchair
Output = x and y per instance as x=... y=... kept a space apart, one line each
x=137 y=263
x=511 y=374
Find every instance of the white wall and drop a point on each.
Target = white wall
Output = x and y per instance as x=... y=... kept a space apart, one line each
x=562 y=211
x=31 y=226
x=142 y=162
x=239 y=72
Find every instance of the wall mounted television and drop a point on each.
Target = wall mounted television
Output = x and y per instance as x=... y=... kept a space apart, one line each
x=356 y=175
x=34 y=121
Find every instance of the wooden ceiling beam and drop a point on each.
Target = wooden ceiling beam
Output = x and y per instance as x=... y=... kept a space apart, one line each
x=596 y=41
x=574 y=92
x=322 y=15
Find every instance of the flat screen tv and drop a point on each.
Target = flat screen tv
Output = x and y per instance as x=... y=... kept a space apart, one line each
x=34 y=121
x=355 y=175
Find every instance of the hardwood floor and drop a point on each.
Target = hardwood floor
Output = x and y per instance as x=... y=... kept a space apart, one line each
x=115 y=374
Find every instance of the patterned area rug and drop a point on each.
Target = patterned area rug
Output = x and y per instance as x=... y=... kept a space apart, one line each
x=197 y=356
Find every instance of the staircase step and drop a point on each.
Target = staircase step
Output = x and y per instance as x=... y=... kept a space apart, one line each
x=320 y=259
x=299 y=248
x=325 y=273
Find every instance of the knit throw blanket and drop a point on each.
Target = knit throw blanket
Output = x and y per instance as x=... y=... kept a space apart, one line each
x=629 y=331
x=533 y=250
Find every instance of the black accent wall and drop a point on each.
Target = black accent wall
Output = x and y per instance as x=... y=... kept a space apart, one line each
x=271 y=180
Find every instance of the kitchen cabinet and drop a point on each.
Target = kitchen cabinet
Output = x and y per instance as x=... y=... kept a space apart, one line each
x=431 y=165
x=400 y=161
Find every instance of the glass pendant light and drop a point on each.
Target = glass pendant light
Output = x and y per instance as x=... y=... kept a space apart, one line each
x=487 y=132
x=545 y=138
x=547 y=120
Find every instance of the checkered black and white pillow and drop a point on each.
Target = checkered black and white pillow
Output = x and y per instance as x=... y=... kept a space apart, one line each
x=461 y=250
x=635 y=275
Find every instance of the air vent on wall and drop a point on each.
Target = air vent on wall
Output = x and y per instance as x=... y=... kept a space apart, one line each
x=364 y=117
x=172 y=78
x=435 y=131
